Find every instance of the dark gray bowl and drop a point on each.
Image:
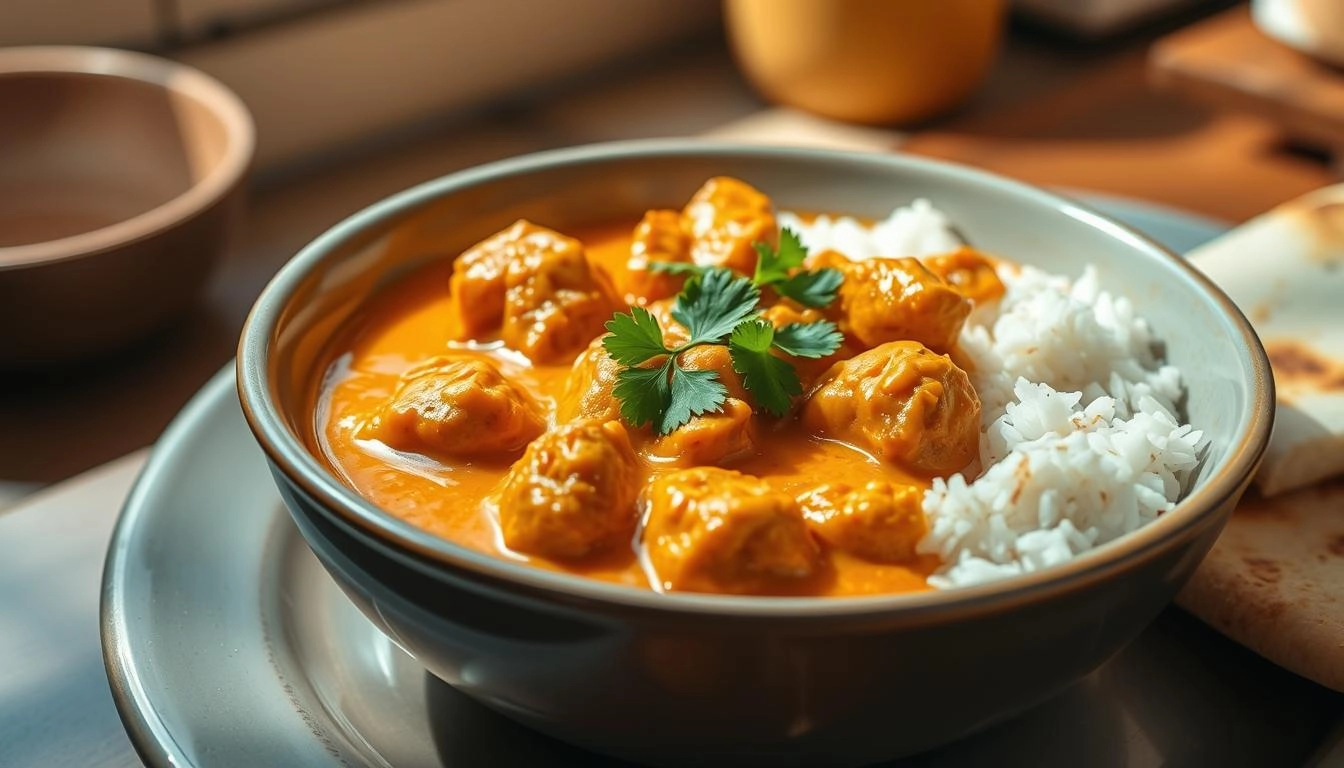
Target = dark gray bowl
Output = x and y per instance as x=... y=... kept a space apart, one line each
x=693 y=679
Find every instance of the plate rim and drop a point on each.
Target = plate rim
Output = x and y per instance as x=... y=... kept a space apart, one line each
x=147 y=730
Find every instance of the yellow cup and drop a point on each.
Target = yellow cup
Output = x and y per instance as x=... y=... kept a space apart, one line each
x=868 y=61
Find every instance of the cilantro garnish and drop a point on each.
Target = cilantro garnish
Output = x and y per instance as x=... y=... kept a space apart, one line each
x=778 y=268
x=808 y=339
x=711 y=305
x=634 y=338
x=771 y=380
x=812 y=289
x=775 y=264
x=677 y=268
x=720 y=307
x=775 y=268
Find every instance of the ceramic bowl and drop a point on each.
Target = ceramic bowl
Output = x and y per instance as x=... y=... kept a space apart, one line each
x=1314 y=27
x=120 y=175
x=867 y=61
x=682 y=679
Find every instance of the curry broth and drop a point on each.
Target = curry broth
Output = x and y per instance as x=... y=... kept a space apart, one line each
x=410 y=322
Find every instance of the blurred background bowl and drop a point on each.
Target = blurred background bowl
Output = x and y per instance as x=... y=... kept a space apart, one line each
x=1314 y=27
x=867 y=61
x=120 y=178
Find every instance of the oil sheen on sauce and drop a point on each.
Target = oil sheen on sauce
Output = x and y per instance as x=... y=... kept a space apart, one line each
x=408 y=322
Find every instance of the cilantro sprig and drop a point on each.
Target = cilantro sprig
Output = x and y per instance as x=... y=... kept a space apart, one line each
x=666 y=394
x=778 y=268
x=771 y=380
x=719 y=307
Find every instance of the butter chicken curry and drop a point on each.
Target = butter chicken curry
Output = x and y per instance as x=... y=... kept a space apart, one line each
x=689 y=402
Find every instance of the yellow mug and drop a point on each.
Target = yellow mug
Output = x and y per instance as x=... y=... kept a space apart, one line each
x=868 y=61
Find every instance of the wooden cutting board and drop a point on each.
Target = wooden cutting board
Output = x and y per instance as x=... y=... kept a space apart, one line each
x=1107 y=129
x=1226 y=61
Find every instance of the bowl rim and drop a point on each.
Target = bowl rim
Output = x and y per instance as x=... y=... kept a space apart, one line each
x=300 y=467
x=172 y=76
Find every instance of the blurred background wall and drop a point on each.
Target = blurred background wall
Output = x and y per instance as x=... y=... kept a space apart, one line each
x=321 y=74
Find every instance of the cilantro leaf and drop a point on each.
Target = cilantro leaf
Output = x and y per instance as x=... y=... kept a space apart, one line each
x=644 y=393
x=719 y=307
x=774 y=264
x=755 y=335
x=772 y=381
x=812 y=289
x=634 y=338
x=776 y=267
x=678 y=268
x=711 y=305
x=813 y=340
x=694 y=393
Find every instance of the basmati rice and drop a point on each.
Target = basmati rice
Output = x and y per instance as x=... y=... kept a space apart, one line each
x=1082 y=438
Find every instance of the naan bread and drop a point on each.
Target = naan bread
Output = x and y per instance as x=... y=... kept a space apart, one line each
x=1274 y=581
x=1285 y=269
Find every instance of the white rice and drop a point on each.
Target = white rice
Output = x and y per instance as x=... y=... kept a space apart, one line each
x=918 y=229
x=1082 y=440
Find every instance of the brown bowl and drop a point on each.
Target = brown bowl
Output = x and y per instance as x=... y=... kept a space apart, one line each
x=119 y=176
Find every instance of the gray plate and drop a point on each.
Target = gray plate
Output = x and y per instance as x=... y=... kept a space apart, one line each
x=227 y=644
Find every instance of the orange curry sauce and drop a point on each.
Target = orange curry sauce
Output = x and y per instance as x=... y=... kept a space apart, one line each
x=410 y=322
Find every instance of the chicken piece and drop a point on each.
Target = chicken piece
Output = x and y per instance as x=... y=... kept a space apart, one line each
x=716 y=530
x=784 y=313
x=588 y=389
x=673 y=332
x=712 y=439
x=715 y=357
x=881 y=522
x=552 y=304
x=884 y=300
x=827 y=258
x=477 y=284
x=459 y=407
x=903 y=404
x=572 y=494
x=970 y=272
x=659 y=237
x=725 y=217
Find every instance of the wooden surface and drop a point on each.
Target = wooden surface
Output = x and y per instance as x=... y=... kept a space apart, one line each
x=1227 y=62
x=1103 y=127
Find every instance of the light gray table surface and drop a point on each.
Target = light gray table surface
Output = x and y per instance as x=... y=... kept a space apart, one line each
x=56 y=710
